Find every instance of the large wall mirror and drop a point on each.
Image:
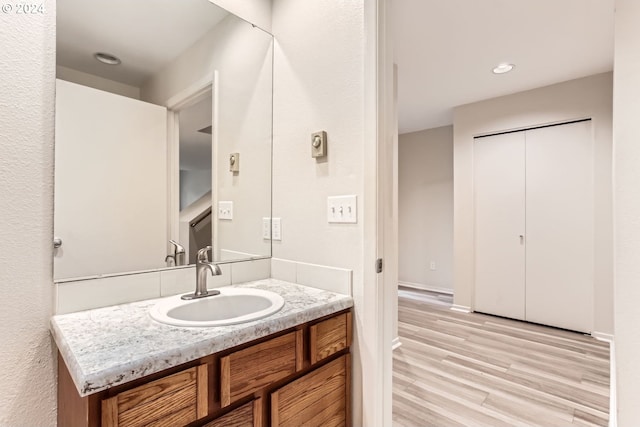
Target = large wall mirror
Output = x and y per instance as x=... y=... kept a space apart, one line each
x=163 y=133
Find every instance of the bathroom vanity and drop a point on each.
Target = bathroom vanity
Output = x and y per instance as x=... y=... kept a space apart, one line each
x=118 y=367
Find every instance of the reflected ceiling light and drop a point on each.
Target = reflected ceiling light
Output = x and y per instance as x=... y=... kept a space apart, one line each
x=106 y=58
x=503 y=68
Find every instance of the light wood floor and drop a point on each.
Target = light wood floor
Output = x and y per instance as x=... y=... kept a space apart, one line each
x=457 y=369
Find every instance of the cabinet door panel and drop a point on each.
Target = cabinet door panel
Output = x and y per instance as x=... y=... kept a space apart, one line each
x=177 y=399
x=499 y=223
x=247 y=371
x=560 y=224
x=317 y=399
x=247 y=415
x=329 y=336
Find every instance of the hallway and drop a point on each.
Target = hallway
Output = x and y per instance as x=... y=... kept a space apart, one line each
x=456 y=369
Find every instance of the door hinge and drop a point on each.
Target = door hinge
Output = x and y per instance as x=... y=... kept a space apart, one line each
x=379 y=265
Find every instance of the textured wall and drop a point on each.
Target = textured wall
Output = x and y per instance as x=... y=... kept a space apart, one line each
x=426 y=208
x=27 y=67
x=318 y=85
x=626 y=137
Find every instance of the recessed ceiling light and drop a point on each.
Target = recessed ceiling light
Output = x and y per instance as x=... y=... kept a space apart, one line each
x=503 y=68
x=106 y=58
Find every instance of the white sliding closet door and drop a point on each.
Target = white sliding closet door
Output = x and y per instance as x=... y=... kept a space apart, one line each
x=559 y=226
x=500 y=221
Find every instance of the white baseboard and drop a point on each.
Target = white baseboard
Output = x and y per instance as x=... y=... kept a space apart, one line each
x=602 y=336
x=461 y=308
x=395 y=343
x=424 y=287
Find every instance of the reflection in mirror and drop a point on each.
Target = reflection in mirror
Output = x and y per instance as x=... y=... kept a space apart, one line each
x=195 y=136
x=144 y=133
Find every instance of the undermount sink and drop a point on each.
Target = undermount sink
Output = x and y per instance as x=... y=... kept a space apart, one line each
x=231 y=306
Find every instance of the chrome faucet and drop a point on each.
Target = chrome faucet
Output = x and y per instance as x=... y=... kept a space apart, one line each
x=178 y=256
x=202 y=266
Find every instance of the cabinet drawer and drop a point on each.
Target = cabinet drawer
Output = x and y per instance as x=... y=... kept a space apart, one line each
x=320 y=398
x=178 y=399
x=330 y=336
x=247 y=371
x=248 y=415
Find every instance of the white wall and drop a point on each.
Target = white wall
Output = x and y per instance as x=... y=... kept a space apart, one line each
x=28 y=369
x=193 y=185
x=86 y=79
x=257 y=12
x=581 y=98
x=244 y=100
x=426 y=208
x=319 y=85
x=627 y=209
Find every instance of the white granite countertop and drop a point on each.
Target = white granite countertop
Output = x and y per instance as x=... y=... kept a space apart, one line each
x=108 y=346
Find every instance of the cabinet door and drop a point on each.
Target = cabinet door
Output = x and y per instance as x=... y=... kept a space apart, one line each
x=175 y=400
x=500 y=225
x=320 y=398
x=246 y=371
x=248 y=415
x=329 y=337
x=560 y=224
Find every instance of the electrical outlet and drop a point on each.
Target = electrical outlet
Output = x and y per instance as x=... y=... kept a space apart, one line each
x=432 y=265
x=276 y=228
x=266 y=228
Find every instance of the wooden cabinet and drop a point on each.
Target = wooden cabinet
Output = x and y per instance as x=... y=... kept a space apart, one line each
x=246 y=371
x=329 y=336
x=177 y=399
x=248 y=415
x=297 y=377
x=317 y=399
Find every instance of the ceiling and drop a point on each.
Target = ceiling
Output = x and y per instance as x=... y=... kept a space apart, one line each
x=446 y=49
x=145 y=34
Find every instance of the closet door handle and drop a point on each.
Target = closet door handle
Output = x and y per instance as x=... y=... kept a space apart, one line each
x=522 y=239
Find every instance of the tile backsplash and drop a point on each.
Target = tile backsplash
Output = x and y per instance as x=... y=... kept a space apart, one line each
x=86 y=294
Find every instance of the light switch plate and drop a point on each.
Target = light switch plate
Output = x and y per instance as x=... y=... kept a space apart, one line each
x=225 y=210
x=342 y=209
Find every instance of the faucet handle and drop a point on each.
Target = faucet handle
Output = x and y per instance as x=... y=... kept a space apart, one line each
x=203 y=254
x=178 y=248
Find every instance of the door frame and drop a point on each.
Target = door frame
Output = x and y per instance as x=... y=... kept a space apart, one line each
x=189 y=96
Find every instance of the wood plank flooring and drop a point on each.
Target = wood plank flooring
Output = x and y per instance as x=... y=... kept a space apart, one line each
x=457 y=369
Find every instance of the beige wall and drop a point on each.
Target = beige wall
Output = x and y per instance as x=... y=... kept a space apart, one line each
x=626 y=125
x=426 y=208
x=255 y=11
x=27 y=67
x=319 y=85
x=575 y=99
x=244 y=101
x=86 y=79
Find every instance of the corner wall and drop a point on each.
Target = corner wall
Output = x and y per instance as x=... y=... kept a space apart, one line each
x=426 y=209
x=319 y=60
x=575 y=99
x=626 y=127
x=28 y=368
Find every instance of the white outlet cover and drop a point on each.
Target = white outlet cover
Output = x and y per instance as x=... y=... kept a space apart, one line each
x=276 y=229
x=266 y=228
